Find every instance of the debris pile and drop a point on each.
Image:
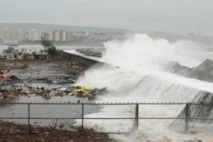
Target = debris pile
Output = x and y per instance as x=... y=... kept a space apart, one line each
x=47 y=93
x=89 y=92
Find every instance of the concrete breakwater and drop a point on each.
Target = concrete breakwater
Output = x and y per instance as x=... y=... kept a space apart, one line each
x=83 y=59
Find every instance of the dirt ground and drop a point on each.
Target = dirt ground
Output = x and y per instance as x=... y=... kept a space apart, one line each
x=56 y=137
x=11 y=132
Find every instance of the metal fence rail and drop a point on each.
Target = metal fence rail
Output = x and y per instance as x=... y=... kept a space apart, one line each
x=186 y=114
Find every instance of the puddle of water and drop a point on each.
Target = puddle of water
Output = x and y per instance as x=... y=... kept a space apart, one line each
x=42 y=70
x=67 y=112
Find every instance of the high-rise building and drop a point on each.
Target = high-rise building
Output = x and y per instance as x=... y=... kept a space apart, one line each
x=21 y=35
x=11 y=35
x=7 y=34
x=63 y=36
x=51 y=36
x=56 y=35
x=34 y=35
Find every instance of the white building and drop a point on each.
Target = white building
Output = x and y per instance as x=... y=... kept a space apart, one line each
x=12 y=35
x=51 y=36
x=10 y=53
x=21 y=35
x=56 y=35
x=59 y=35
x=34 y=35
x=7 y=34
x=63 y=36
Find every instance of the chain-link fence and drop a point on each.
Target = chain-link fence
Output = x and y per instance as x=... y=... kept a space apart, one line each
x=34 y=117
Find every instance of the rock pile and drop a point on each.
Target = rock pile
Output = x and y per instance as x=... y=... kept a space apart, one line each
x=204 y=71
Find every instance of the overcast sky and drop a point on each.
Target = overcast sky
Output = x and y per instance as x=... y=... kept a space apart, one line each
x=173 y=16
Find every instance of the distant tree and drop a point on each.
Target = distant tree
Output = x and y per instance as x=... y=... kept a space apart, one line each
x=46 y=44
x=49 y=47
x=52 y=51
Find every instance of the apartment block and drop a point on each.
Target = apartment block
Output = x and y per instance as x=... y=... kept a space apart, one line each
x=34 y=35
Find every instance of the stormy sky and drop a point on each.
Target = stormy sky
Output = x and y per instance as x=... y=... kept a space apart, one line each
x=172 y=16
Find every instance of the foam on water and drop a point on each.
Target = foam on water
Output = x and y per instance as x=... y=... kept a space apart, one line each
x=139 y=79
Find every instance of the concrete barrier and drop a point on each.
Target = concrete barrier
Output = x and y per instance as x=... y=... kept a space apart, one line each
x=85 y=60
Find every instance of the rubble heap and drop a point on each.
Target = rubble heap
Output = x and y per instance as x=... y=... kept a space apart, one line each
x=47 y=93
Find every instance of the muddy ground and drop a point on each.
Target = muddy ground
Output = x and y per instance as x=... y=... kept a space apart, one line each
x=34 y=72
x=44 y=136
x=38 y=77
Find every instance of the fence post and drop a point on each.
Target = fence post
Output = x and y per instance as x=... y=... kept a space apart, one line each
x=187 y=116
x=137 y=116
x=29 y=129
x=82 y=116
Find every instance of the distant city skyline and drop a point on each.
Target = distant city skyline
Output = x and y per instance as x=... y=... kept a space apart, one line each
x=172 y=16
x=20 y=35
x=17 y=34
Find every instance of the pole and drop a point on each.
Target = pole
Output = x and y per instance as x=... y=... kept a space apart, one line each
x=187 y=116
x=137 y=116
x=29 y=129
x=82 y=116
